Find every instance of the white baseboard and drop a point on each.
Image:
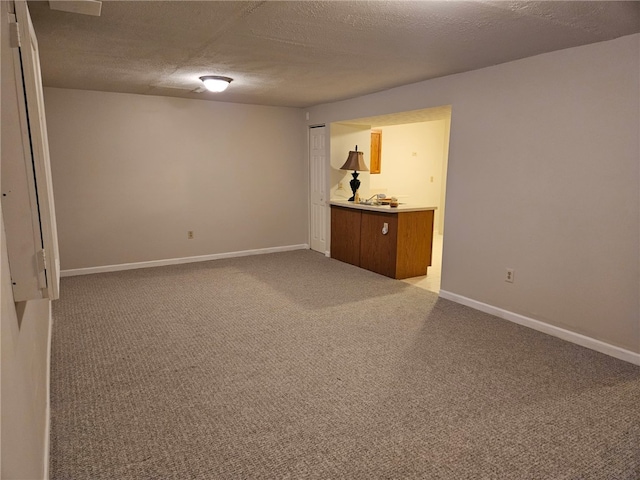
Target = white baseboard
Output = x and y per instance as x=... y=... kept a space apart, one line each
x=573 y=337
x=47 y=418
x=175 y=261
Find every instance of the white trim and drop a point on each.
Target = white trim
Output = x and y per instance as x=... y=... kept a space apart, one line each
x=327 y=254
x=175 y=261
x=47 y=419
x=573 y=337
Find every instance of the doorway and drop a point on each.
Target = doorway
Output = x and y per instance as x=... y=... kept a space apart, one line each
x=412 y=167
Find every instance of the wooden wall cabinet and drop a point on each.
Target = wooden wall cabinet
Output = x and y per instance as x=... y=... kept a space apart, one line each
x=404 y=251
x=375 y=163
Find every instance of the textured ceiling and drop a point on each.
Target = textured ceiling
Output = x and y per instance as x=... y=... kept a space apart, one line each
x=303 y=53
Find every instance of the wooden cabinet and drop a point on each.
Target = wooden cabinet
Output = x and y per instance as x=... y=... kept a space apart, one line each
x=345 y=246
x=415 y=243
x=375 y=162
x=378 y=251
x=358 y=237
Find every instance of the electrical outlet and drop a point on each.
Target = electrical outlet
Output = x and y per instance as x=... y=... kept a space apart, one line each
x=190 y=234
x=508 y=277
x=340 y=187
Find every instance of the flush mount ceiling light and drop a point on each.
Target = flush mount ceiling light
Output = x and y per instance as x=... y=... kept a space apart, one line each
x=215 y=83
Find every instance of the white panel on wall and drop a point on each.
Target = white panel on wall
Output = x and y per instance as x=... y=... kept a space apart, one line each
x=27 y=191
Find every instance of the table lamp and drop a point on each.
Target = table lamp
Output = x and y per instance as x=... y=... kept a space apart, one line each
x=355 y=162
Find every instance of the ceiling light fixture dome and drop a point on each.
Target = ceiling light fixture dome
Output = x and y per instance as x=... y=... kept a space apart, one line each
x=216 y=83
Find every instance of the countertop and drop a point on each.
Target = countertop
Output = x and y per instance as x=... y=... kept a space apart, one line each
x=403 y=207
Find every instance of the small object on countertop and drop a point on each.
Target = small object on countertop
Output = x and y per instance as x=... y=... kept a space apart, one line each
x=394 y=202
x=356 y=197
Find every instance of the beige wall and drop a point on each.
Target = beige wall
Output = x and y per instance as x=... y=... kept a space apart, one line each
x=543 y=177
x=132 y=174
x=413 y=178
x=24 y=354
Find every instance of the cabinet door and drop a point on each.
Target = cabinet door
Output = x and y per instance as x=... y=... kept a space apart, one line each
x=376 y=151
x=377 y=249
x=345 y=235
x=415 y=241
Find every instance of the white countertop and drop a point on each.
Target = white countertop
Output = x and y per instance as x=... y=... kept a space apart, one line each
x=403 y=207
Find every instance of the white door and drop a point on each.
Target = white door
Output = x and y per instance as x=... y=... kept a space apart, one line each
x=317 y=184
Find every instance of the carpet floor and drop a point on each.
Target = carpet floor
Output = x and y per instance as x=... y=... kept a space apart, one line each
x=295 y=366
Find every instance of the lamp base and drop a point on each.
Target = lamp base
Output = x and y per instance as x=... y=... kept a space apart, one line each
x=355 y=185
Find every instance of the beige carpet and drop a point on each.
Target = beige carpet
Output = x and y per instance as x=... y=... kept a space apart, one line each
x=296 y=366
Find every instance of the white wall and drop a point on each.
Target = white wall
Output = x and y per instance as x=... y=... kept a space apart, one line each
x=132 y=174
x=543 y=178
x=443 y=176
x=25 y=335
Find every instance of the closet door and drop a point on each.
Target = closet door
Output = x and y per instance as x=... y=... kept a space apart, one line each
x=317 y=188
